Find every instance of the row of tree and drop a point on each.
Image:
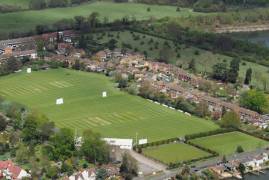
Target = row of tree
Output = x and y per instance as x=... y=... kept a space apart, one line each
x=42 y=4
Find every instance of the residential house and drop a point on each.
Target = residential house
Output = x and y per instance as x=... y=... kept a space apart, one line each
x=87 y=174
x=221 y=171
x=15 y=43
x=8 y=50
x=64 y=48
x=9 y=170
x=32 y=54
x=255 y=162
x=101 y=56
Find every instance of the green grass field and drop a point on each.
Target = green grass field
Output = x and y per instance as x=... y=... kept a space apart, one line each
x=119 y=115
x=174 y=153
x=24 y=4
x=27 y=20
x=204 y=60
x=227 y=143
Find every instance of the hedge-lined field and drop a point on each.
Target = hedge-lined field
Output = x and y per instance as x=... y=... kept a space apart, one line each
x=227 y=143
x=27 y=20
x=174 y=153
x=119 y=115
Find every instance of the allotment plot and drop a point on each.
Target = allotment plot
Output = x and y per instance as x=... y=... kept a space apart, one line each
x=227 y=143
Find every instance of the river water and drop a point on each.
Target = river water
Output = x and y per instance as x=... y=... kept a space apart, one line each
x=260 y=177
x=261 y=37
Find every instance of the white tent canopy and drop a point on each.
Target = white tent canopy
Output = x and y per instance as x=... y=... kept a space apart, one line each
x=104 y=94
x=59 y=101
x=29 y=70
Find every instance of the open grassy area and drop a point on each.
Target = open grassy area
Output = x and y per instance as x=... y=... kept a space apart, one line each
x=204 y=59
x=174 y=153
x=227 y=143
x=119 y=115
x=24 y=4
x=27 y=20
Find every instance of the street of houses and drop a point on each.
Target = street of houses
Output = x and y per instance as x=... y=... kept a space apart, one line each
x=169 y=79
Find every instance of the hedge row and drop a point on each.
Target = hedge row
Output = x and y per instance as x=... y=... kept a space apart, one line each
x=175 y=165
x=214 y=153
x=156 y=143
x=208 y=133
x=187 y=138
x=252 y=134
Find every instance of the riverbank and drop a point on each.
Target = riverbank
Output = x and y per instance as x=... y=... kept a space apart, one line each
x=247 y=28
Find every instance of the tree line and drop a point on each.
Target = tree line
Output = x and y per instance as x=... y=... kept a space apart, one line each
x=42 y=4
x=210 y=5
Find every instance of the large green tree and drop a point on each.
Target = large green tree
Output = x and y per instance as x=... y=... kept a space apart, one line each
x=234 y=70
x=220 y=71
x=129 y=166
x=61 y=145
x=254 y=100
x=248 y=76
x=94 y=149
x=3 y=122
x=230 y=119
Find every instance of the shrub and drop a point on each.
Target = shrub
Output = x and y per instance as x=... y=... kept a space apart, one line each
x=239 y=149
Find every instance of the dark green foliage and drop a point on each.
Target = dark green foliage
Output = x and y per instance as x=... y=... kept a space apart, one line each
x=230 y=120
x=242 y=169
x=94 y=148
x=233 y=71
x=67 y=168
x=128 y=166
x=101 y=174
x=239 y=149
x=254 y=100
x=248 y=76
x=192 y=65
x=38 y=4
x=3 y=122
x=209 y=133
x=112 y=44
x=220 y=71
x=61 y=145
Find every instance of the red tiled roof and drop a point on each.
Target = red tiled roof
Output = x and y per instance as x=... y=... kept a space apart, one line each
x=11 y=167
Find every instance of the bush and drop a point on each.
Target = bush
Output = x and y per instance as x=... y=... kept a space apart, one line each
x=3 y=123
x=239 y=149
x=209 y=133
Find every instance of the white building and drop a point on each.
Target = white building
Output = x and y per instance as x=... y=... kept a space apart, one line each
x=256 y=162
x=122 y=143
x=89 y=174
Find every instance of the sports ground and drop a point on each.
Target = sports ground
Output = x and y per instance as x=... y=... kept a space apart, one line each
x=119 y=115
x=174 y=153
x=227 y=143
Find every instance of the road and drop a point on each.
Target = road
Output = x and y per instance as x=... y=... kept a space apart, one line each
x=166 y=174
x=146 y=165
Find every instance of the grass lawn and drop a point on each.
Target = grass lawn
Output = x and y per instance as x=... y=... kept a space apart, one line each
x=5 y=156
x=27 y=20
x=119 y=115
x=173 y=153
x=204 y=60
x=24 y=4
x=227 y=143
